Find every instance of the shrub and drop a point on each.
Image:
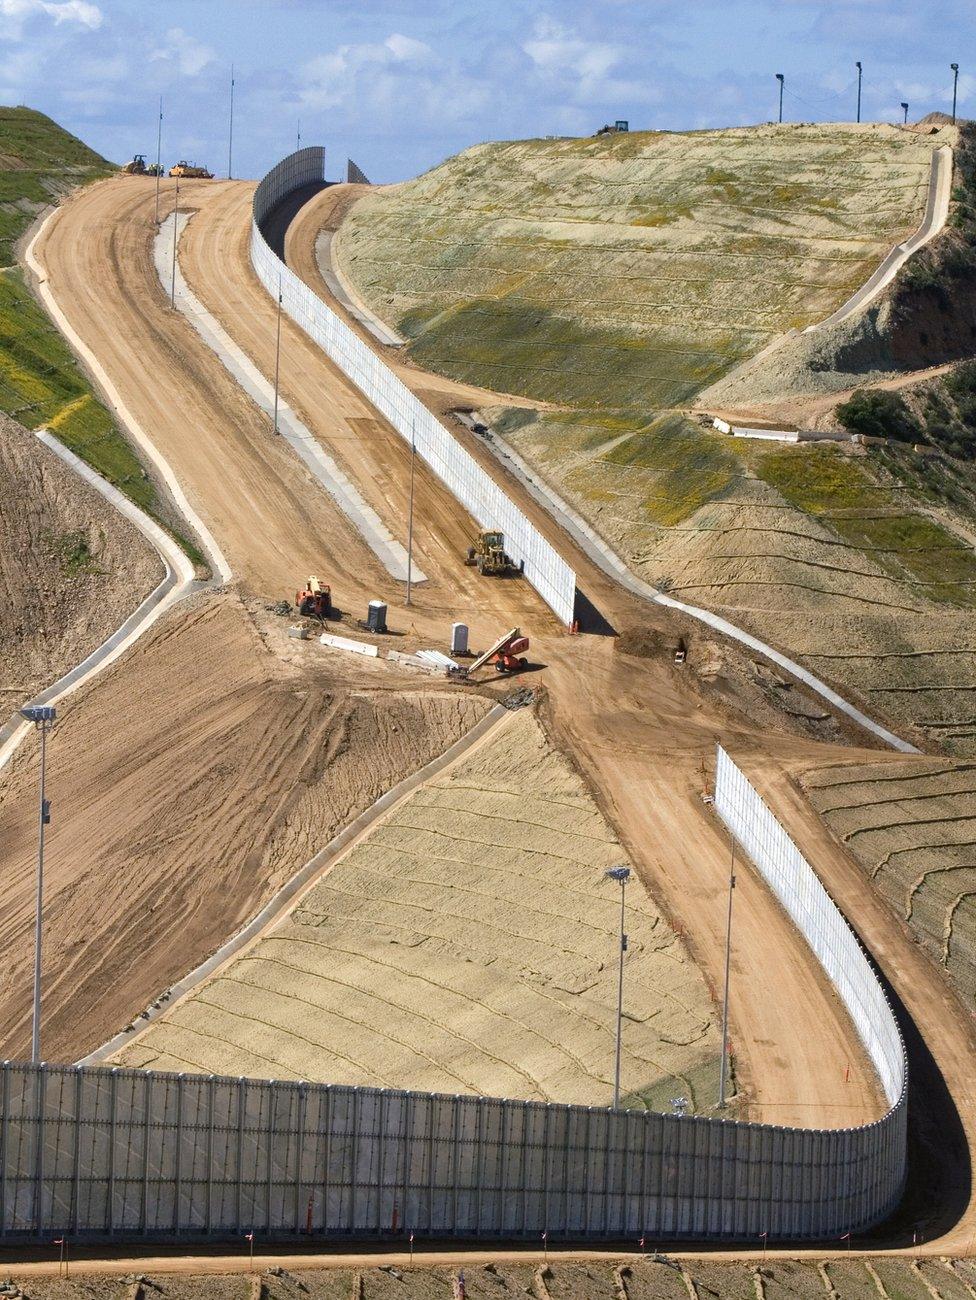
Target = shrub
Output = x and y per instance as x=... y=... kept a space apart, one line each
x=878 y=414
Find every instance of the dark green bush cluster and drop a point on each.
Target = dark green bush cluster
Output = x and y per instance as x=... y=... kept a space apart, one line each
x=877 y=413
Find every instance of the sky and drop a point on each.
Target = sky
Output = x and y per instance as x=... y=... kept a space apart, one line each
x=399 y=85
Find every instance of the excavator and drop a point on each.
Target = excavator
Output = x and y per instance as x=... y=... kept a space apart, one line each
x=506 y=654
x=190 y=171
x=315 y=600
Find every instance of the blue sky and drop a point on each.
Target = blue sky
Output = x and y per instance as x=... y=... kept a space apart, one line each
x=400 y=84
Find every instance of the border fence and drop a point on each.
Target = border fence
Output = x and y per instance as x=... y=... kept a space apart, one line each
x=100 y=1153
x=472 y=486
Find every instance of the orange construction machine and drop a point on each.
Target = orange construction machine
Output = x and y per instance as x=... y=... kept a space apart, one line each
x=505 y=654
x=315 y=600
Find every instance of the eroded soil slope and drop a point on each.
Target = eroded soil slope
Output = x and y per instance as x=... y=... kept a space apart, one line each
x=913 y=829
x=466 y=944
x=71 y=568
x=598 y=1278
x=187 y=783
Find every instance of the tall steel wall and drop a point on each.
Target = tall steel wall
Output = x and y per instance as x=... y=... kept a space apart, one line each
x=471 y=485
x=101 y=1153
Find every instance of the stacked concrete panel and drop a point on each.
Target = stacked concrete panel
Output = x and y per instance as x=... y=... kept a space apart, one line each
x=475 y=489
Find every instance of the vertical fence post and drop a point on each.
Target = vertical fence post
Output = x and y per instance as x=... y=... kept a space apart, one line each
x=147 y=1129
x=178 y=1171
x=4 y=1146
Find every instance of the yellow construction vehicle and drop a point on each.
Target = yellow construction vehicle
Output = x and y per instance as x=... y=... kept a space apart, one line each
x=488 y=553
x=190 y=171
x=137 y=167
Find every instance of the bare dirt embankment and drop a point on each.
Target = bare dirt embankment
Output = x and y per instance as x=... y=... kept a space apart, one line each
x=600 y=1277
x=188 y=783
x=72 y=569
x=467 y=943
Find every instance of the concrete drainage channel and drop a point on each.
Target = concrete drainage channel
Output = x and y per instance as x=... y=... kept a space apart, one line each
x=178 y=581
x=391 y=554
x=305 y=877
x=603 y=555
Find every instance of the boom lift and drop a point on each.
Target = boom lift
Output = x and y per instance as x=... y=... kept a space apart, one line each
x=315 y=600
x=504 y=654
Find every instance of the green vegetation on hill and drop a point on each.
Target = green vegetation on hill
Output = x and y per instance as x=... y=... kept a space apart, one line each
x=41 y=383
x=39 y=162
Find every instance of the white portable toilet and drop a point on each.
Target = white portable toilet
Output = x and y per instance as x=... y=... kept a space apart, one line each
x=459 y=638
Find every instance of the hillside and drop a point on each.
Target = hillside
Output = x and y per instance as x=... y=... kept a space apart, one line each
x=41 y=383
x=617 y=278
x=40 y=162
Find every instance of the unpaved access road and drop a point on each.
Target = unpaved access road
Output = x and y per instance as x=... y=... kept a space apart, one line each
x=638 y=728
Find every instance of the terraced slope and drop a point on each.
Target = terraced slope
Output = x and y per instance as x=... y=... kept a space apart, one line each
x=631 y=271
x=616 y=278
x=914 y=831
x=468 y=943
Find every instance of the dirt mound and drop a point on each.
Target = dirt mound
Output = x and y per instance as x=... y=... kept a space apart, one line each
x=187 y=783
x=71 y=568
x=467 y=943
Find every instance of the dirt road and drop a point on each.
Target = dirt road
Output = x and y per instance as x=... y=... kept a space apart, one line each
x=637 y=726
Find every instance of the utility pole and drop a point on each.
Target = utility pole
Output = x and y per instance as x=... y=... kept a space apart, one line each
x=230 y=134
x=621 y=875
x=955 y=88
x=159 y=155
x=723 y=1064
x=860 y=73
x=782 y=82
x=413 y=462
x=176 y=231
x=277 y=357
x=43 y=717
x=905 y=118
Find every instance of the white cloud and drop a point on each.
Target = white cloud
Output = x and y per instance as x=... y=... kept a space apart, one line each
x=81 y=12
x=368 y=68
x=560 y=55
x=184 y=51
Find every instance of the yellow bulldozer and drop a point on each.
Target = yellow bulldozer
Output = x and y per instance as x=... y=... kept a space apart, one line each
x=488 y=553
x=190 y=171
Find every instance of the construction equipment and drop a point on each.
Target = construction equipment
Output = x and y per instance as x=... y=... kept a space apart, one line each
x=137 y=167
x=505 y=654
x=488 y=553
x=190 y=171
x=681 y=654
x=315 y=601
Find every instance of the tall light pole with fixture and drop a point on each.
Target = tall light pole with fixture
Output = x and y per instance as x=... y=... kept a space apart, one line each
x=230 y=133
x=904 y=104
x=782 y=82
x=860 y=74
x=43 y=717
x=725 y=1001
x=621 y=875
x=955 y=87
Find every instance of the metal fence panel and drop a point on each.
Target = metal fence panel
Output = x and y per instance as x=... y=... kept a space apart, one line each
x=473 y=487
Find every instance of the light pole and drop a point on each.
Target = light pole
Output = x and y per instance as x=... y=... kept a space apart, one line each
x=413 y=462
x=904 y=105
x=43 y=717
x=159 y=154
x=782 y=82
x=230 y=133
x=176 y=229
x=621 y=875
x=725 y=1001
x=277 y=356
x=298 y=139
x=955 y=87
x=860 y=73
